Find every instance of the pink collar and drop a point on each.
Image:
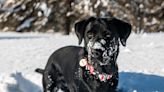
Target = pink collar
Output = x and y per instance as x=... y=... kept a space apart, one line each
x=101 y=76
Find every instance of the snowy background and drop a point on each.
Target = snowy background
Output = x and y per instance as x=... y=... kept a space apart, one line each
x=141 y=63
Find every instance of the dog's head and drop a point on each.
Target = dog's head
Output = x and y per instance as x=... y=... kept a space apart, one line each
x=102 y=36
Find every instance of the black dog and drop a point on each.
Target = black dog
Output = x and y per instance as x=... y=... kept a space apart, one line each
x=91 y=68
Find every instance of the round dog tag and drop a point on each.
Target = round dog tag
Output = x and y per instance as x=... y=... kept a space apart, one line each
x=83 y=62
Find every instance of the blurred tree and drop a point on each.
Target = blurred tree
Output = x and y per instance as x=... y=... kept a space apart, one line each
x=144 y=15
x=60 y=15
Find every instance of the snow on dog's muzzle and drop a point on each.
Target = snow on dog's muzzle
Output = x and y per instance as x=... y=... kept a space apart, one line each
x=101 y=51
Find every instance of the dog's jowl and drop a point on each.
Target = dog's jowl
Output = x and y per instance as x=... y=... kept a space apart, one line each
x=92 y=68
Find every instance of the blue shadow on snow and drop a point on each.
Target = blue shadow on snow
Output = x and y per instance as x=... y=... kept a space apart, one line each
x=139 y=82
x=23 y=85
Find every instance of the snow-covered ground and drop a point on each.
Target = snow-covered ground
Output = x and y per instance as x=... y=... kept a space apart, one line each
x=141 y=63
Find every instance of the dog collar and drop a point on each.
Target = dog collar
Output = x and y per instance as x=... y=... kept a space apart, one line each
x=101 y=76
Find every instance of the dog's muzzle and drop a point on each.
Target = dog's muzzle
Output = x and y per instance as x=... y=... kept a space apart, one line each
x=102 y=51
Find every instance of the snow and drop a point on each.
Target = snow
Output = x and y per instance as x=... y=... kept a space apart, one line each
x=2 y=1
x=141 y=66
x=43 y=6
x=25 y=24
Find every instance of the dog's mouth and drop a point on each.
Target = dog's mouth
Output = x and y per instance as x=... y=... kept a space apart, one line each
x=102 y=52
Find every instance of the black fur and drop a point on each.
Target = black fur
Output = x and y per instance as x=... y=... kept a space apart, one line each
x=63 y=72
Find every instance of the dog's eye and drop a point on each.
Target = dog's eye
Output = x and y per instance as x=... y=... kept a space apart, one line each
x=107 y=34
x=90 y=35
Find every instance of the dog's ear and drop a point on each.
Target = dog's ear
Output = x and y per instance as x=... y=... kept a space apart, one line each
x=123 y=29
x=80 y=28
